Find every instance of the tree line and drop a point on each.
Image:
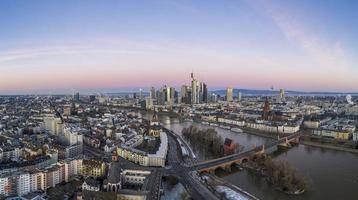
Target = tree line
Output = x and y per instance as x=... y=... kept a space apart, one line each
x=208 y=139
x=281 y=174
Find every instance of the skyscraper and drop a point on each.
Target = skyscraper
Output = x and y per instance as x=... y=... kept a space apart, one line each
x=76 y=96
x=140 y=94
x=282 y=94
x=205 y=95
x=184 y=94
x=229 y=92
x=160 y=96
x=194 y=90
x=152 y=93
x=239 y=96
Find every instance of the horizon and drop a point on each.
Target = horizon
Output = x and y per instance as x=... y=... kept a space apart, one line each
x=54 y=47
x=147 y=90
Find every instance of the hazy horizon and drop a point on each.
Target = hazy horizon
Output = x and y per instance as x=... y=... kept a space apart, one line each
x=147 y=89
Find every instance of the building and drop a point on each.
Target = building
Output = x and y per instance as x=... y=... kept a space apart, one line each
x=76 y=97
x=113 y=183
x=229 y=146
x=91 y=184
x=274 y=127
x=142 y=158
x=10 y=153
x=203 y=93
x=266 y=110
x=153 y=94
x=158 y=159
x=12 y=184
x=140 y=94
x=169 y=95
x=133 y=155
x=332 y=133
x=22 y=182
x=282 y=95
x=154 y=127
x=355 y=136
x=72 y=139
x=185 y=94
x=74 y=167
x=236 y=122
x=93 y=168
x=148 y=103
x=71 y=136
x=92 y=98
x=194 y=90
x=52 y=124
x=134 y=177
x=229 y=95
x=38 y=181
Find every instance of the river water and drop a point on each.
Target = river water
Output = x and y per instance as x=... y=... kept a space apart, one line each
x=333 y=174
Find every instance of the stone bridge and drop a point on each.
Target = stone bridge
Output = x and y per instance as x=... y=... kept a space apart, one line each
x=226 y=163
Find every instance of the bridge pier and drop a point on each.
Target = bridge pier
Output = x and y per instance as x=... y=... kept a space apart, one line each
x=227 y=168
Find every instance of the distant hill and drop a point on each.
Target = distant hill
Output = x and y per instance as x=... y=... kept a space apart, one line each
x=249 y=92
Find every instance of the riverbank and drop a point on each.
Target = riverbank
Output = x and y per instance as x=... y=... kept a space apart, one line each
x=328 y=146
x=259 y=133
x=244 y=129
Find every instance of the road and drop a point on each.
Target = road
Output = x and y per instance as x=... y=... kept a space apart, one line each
x=180 y=169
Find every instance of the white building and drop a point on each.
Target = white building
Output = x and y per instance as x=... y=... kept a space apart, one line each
x=52 y=124
x=91 y=184
x=158 y=159
x=72 y=135
x=4 y=182
x=355 y=136
x=231 y=121
x=229 y=95
x=136 y=177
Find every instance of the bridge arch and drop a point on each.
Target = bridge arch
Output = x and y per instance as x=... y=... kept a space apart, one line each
x=219 y=168
x=244 y=160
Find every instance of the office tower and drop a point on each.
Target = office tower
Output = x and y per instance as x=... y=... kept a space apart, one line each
x=176 y=96
x=194 y=90
x=167 y=94
x=92 y=98
x=266 y=110
x=184 y=93
x=152 y=93
x=148 y=103
x=160 y=96
x=134 y=95
x=76 y=96
x=229 y=92
x=201 y=92
x=239 y=96
x=282 y=94
x=171 y=95
x=205 y=93
x=213 y=98
x=140 y=94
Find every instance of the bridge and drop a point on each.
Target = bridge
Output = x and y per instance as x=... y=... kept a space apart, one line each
x=227 y=162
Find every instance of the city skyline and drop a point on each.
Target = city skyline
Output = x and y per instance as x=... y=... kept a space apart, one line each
x=123 y=46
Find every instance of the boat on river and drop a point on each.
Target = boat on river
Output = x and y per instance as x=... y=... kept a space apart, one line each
x=237 y=130
x=225 y=127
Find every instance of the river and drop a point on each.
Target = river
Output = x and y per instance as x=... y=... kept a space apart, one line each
x=333 y=174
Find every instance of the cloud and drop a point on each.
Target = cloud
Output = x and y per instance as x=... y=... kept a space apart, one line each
x=329 y=54
x=22 y=54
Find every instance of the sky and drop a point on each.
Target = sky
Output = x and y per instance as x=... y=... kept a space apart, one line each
x=116 y=45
